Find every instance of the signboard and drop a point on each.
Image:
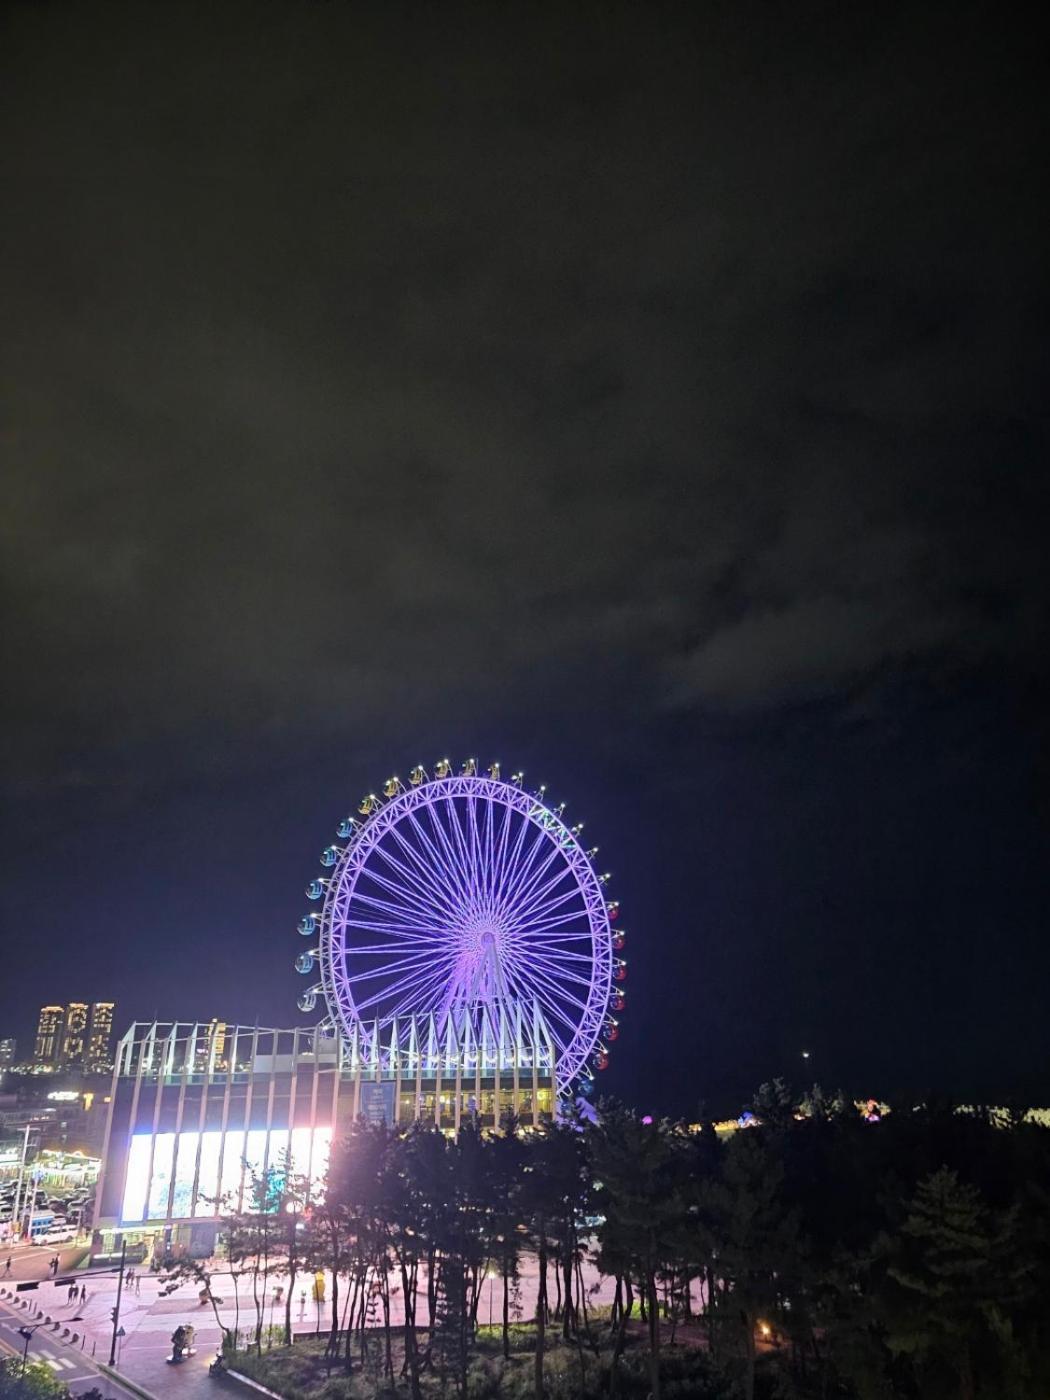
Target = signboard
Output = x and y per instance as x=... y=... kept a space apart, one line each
x=377 y=1101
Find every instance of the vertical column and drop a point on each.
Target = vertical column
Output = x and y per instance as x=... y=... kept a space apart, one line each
x=275 y=1044
x=189 y=1045
x=123 y=1052
x=227 y=1093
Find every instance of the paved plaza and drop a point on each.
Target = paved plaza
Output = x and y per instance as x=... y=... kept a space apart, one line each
x=150 y=1313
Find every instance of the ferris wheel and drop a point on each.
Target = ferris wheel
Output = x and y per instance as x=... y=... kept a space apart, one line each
x=462 y=892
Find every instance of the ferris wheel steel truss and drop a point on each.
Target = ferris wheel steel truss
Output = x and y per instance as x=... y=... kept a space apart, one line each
x=473 y=892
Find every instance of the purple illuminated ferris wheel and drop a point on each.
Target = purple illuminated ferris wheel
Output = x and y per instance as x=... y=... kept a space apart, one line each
x=461 y=895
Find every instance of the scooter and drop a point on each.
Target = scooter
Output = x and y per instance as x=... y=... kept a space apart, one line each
x=181 y=1344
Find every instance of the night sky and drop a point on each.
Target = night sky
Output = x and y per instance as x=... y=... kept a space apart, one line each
x=652 y=398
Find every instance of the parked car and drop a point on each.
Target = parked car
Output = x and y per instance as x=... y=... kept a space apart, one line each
x=56 y=1234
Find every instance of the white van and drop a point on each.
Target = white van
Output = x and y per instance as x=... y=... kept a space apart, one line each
x=56 y=1234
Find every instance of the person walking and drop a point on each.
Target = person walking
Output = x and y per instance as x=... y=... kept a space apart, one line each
x=71 y=1292
x=7 y=1266
x=83 y=1293
x=138 y=1285
x=302 y=1305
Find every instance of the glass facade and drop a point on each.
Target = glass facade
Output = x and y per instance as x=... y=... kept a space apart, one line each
x=175 y=1176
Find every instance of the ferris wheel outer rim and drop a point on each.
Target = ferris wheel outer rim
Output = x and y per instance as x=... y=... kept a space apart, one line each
x=580 y=1050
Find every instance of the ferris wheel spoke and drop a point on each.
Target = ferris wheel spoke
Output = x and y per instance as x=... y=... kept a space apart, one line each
x=376 y=949
x=528 y=890
x=473 y=846
x=459 y=840
x=557 y=1013
x=519 y=871
x=511 y=863
x=412 y=982
x=384 y=969
x=520 y=883
x=499 y=853
x=400 y=919
x=423 y=883
x=427 y=918
x=410 y=904
x=451 y=863
x=560 y=955
x=443 y=859
x=488 y=850
x=561 y=1003
x=482 y=828
x=552 y=922
x=537 y=910
x=392 y=958
x=558 y=976
x=430 y=875
x=399 y=939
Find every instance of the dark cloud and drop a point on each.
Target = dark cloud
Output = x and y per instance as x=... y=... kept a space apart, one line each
x=373 y=370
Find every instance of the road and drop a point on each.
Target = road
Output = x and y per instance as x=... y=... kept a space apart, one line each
x=30 y=1261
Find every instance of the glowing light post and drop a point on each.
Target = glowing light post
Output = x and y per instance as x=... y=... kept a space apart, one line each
x=27 y=1333
x=467 y=899
x=116 y=1310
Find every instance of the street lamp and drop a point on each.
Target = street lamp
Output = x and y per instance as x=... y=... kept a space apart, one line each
x=27 y=1332
x=491 y=1276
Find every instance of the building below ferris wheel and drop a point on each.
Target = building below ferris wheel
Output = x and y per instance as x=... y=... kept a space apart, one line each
x=196 y=1107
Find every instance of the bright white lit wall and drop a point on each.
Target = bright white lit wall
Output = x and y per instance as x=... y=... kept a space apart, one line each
x=218 y=1164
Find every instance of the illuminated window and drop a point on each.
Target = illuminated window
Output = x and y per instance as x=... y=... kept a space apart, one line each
x=301 y=1139
x=163 y=1151
x=185 y=1170
x=208 y=1181
x=275 y=1159
x=137 y=1181
x=255 y=1157
x=232 y=1152
x=322 y=1148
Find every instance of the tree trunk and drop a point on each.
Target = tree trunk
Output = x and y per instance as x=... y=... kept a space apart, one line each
x=411 y=1340
x=291 y=1285
x=568 y=1319
x=258 y=1307
x=621 y=1338
x=967 y=1389
x=506 y=1308
x=388 y=1349
x=654 y=1337
x=541 y=1322
x=333 y=1336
